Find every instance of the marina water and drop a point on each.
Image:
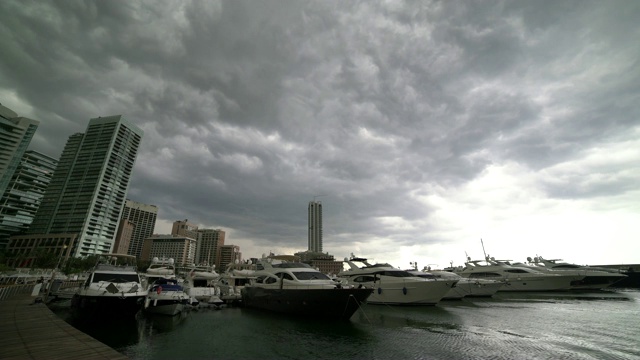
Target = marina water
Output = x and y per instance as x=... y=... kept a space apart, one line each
x=559 y=325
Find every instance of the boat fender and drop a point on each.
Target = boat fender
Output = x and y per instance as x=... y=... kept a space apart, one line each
x=159 y=290
x=404 y=290
x=379 y=290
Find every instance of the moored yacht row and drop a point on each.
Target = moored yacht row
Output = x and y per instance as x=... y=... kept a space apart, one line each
x=115 y=288
x=538 y=277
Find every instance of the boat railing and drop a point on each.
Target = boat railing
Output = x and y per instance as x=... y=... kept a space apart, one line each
x=110 y=267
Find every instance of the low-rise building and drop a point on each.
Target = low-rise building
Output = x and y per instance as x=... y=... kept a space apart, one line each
x=180 y=248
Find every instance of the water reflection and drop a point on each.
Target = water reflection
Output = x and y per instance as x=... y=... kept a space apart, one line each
x=162 y=323
x=510 y=325
x=114 y=332
x=403 y=316
x=603 y=295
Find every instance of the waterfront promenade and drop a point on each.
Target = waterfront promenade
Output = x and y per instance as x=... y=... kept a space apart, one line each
x=30 y=330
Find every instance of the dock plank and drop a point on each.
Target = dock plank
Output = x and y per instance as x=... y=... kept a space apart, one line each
x=31 y=330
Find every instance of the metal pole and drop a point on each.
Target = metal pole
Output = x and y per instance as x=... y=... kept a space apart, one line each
x=53 y=274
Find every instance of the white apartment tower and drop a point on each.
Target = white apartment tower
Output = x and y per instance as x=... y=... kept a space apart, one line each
x=315 y=226
x=88 y=190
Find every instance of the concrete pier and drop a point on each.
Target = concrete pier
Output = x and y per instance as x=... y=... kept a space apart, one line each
x=30 y=330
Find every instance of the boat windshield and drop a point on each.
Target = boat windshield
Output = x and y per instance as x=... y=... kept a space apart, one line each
x=484 y=275
x=310 y=275
x=394 y=273
x=517 y=271
x=115 y=278
x=428 y=276
x=566 y=266
x=291 y=265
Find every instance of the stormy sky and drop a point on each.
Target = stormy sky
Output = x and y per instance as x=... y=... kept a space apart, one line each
x=421 y=126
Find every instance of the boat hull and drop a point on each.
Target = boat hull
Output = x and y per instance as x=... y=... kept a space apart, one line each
x=631 y=281
x=206 y=295
x=166 y=297
x=166 y=307
x=483 y=288
x=427 y=293
x=535 y=283
x=596 y=282
x=457 y=292
x=107 y=306
x=320 y=303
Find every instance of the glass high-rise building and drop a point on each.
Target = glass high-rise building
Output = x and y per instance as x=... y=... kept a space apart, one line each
x=143 y=217
x=15 y=136
x=21 y=200
x=89 y=187
x=315 y=226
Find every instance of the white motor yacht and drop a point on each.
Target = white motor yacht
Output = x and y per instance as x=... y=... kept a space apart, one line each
x=161 y=268
x=298 y=289
x=200 y=285
x=165 y=295
x=233 y=280
x=593 y=278
x=394 y=286
x=112 y=289
x=515 y=278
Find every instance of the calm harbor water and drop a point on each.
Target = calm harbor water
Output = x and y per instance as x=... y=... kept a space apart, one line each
x=594 y=325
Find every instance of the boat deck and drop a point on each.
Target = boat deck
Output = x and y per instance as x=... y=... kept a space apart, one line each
x=31 y=330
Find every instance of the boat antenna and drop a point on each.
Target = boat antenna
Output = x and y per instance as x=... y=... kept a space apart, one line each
x=485 y=254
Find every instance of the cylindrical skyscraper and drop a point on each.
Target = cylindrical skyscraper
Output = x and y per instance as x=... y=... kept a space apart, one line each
x=315 y=226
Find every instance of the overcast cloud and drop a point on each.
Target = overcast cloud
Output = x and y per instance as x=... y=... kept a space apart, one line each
x=422 y=126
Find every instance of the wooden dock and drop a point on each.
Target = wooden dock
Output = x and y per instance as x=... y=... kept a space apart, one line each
x=30 y=330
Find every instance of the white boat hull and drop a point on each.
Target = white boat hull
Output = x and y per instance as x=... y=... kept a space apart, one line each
x=456 y=293
x=482 y=288
x=537 y=283
x=166 y=303
x=408 y=292
x=169 y=309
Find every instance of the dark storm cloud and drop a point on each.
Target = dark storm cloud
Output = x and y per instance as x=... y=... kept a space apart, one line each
x=250 y=109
